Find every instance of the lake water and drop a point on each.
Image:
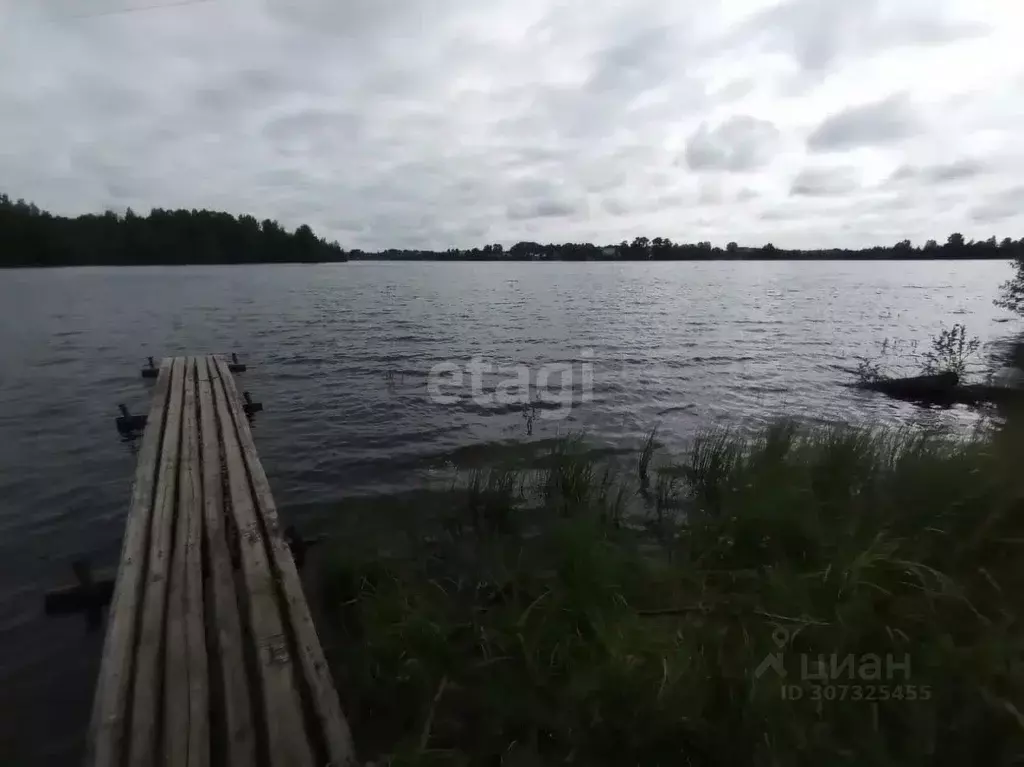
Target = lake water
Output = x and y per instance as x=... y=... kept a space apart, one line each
x=340 y=357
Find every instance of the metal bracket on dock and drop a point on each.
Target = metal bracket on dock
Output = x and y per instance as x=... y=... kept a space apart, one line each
x=128 y=424
x=152 y=371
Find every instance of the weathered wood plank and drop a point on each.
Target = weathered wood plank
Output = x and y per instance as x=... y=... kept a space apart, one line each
x=113 y=686
x=326 y=706
x=155 y=700
x=240 y=744
x=176 y=670
x=195 y=614
x=186 y=702
x=147 y=694
x=287 y=741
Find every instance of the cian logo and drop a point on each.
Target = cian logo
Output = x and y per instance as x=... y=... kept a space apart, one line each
x=774 y=661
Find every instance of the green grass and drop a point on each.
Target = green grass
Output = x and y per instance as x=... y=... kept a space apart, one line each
x=592 y=614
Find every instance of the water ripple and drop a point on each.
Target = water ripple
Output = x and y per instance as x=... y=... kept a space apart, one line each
x=340 y=358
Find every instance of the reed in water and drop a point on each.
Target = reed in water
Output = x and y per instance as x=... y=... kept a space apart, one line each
x=794 y=596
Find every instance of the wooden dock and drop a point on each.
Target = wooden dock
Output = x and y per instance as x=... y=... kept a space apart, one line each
x=211 y=656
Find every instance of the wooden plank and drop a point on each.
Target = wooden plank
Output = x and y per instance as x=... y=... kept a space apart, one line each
x=198 y=676
x=186 y=706
x=147 y=694
x=239 y=745
x=113 y=687
x=327 y=709
x=176 y=655
x=287 y=741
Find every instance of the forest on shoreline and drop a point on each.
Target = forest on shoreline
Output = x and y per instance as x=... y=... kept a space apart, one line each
x=31 y=237
x=664 y=249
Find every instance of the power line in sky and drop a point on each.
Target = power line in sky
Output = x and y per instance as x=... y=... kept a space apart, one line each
x=132 y=9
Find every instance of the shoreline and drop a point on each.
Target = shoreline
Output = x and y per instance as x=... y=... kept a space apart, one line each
x=575 y=611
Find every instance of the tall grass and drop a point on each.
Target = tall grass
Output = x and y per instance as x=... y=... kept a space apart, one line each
x=578 y=617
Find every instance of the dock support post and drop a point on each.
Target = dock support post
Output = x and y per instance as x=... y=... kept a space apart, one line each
x=88 y=594
x=128 y=424
x=151 y=371
x=235 y=366
x=251 y=407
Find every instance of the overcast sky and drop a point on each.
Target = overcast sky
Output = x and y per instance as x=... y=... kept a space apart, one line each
x=437 y=123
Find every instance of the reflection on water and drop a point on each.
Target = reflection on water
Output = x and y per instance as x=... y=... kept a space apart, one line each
x=341 y=357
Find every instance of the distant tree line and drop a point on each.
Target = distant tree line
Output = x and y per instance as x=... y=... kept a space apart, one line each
x=663 y=249
x=32 y=237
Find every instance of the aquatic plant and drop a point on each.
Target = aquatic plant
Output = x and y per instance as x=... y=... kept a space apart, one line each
x=950 y=352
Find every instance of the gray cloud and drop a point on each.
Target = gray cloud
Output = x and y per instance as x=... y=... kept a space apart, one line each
x=614 y=207
x=819 y=34
x=879 y=122
x=741 y=143
x=314 y=127
x=385 y=124
x=825 y=182
x=543 y=209
x=710 y=194
x=953 y=171
x=643 y=60
x=1000 y=206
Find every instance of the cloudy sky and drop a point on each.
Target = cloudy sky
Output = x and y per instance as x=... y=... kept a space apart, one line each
x=437 y=123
